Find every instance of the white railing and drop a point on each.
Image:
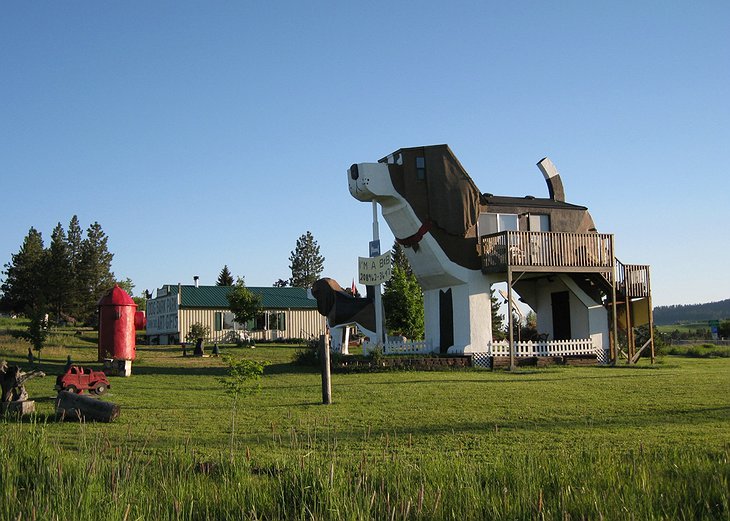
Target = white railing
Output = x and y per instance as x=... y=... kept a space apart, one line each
x=581 y=346
x=405 y=348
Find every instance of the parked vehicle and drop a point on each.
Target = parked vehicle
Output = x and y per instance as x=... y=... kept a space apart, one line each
x=78 y=379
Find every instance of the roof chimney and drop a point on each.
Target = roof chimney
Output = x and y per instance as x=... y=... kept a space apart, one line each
x=552 y=177
x=195 y=279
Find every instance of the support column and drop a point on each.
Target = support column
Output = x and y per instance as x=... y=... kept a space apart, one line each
x=630 y=346
x=651 y=314
x=614 y=314
x=510 y=320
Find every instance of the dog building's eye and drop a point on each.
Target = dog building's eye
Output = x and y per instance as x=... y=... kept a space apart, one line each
x=354 y=174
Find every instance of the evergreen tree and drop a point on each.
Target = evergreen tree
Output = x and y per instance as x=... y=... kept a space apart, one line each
x=74 y=239
x=498 y=326
x=306 y=262
x=94 y=270
x=60 y=280
x=225 y=278
x=403 y=299
x=24 y=285
x=281 y=283
x=400 y=259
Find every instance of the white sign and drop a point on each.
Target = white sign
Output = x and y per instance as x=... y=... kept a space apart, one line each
x=374 y=270
x=162 y=315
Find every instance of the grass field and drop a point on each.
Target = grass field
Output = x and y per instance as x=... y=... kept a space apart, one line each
x=685 y=327
x=560 y=443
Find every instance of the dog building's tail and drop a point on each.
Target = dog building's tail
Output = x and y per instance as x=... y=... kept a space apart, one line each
x=552 y=177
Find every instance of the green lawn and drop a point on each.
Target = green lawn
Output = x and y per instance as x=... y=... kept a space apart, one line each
x=647 y=441
x=686 y=327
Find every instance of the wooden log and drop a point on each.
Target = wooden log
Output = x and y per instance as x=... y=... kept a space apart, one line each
x=71 y=406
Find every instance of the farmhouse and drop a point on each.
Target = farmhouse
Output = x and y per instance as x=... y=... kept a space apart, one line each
x=286 y=313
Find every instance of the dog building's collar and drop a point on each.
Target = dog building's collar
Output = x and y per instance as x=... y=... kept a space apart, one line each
x=416 y=237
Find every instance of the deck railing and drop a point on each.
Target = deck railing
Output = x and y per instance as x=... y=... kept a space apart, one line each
x=633 y=279
x=593 y=251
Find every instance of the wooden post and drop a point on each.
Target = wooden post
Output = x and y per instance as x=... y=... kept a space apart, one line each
x=614 y=314
x=630 y=347
x=510 y=320
x=651 y=314
x=325 y=356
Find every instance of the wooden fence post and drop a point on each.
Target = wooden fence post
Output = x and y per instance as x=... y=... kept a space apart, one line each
x=324 y=350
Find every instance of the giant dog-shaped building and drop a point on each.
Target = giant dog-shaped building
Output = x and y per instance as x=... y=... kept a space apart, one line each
x=435 y=210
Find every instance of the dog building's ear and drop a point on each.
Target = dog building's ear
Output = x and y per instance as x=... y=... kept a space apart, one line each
x=453 y=198
x=323 y=291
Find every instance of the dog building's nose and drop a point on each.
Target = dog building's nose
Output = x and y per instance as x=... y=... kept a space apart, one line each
x=354 y=174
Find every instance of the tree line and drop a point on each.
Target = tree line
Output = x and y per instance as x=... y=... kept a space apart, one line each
x=64 y=280
x=665 y=315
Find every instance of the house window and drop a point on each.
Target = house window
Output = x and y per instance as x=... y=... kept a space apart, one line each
x=497 y=222
x=218 y=321
x=277 y=320
x=420 y=168
x=270 y=320
x=229 y=321
x=225 y=321
x=538 y=223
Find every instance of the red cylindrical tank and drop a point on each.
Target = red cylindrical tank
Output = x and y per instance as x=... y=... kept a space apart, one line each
x=140 y=320
x=116 y=325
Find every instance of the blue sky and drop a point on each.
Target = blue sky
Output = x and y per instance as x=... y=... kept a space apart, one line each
x=200 y=134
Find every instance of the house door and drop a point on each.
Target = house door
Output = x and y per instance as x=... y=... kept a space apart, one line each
x=446 y=320
x=561 y=315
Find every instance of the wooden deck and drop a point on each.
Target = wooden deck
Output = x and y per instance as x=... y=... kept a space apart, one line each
x=547 y=251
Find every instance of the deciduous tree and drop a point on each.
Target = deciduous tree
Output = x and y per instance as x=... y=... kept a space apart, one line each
x=244 y=304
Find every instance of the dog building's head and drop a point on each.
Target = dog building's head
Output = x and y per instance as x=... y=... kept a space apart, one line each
x=434 y=184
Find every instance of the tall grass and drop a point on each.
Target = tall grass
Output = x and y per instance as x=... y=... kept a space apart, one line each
x=555 y=443
x=98 y=480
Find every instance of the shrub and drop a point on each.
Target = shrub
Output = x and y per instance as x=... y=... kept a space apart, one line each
x=197 y=330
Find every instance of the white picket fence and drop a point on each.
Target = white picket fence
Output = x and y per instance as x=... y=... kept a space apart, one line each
x=405 y=348
x=580 y=346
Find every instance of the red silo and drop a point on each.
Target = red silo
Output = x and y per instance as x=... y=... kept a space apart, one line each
x=116 y=325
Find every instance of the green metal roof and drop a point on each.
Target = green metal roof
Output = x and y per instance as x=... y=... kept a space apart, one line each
x=271 y=298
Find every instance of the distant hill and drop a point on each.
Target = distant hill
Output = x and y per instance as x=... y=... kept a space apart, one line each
x=666 y=315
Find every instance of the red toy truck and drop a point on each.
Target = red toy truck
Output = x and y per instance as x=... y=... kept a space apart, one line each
x=77 y=379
